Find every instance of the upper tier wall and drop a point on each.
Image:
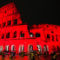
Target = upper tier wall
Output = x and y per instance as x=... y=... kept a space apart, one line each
x=9 y=12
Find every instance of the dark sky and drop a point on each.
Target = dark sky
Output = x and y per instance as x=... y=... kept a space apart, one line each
x=39 y=11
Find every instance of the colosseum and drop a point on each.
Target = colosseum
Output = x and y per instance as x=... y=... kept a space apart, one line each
x=15 y=35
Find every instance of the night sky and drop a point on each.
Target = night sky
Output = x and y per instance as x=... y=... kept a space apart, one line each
x=37 y=12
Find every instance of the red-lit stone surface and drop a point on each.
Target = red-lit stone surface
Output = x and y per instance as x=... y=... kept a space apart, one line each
x=9 y=13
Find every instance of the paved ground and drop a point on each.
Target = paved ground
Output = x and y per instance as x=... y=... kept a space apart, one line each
x=28 y=58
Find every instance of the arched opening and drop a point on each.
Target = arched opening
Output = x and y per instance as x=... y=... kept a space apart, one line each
x=15 y=22
x=8 y=35
x=31 y=34
x=7 y=48
x=37 y=34
x=39 y=48
x=15 y=34
x=30 y=48
x=46 y=50
x=12 y=48
x=21 y=34
x=2 y=36
x=9 y=23
x=1 y=48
